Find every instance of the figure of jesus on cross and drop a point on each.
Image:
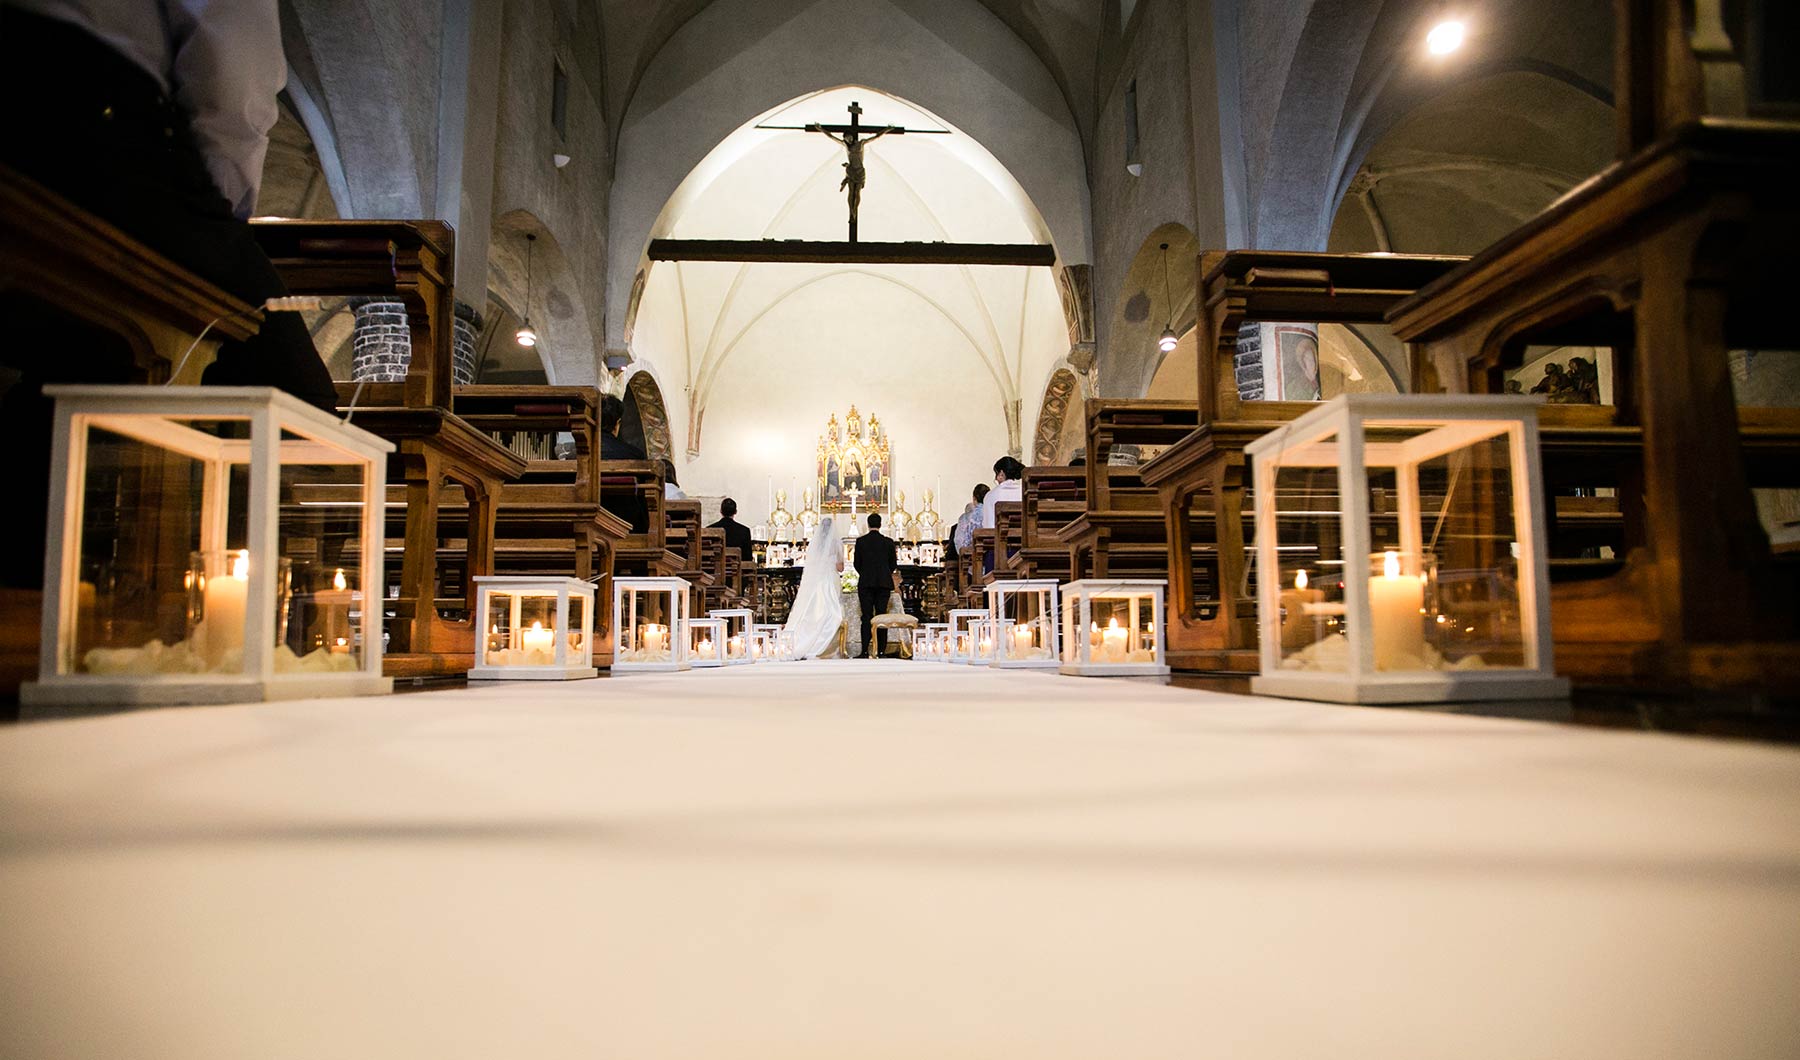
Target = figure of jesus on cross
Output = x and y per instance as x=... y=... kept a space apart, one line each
x=854 y=137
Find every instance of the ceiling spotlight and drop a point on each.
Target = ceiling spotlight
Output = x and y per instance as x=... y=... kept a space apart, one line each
x=1447 y=36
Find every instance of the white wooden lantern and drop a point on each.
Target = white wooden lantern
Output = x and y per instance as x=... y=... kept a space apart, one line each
x=770 y=633
x=1025 y=614
x=931 y=642
x=706 y=642
x=738 y=621
x=1113 y=627
x=1422 y=575
x=650 y=617
x=964 y=633
x=208 y=545
x=533 y=629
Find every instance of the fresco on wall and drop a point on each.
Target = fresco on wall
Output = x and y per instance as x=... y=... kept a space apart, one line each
x=1299 y=346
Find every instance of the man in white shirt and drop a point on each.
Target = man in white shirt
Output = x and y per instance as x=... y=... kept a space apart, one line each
x=1007 y=487
x=1007 y=473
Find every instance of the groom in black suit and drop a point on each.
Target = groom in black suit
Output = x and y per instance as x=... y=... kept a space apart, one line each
x=874 y=574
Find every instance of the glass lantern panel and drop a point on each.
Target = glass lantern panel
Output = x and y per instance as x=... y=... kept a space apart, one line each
x=160 y=585
x=502 y=624
x=707 y=640
x=1122 y=628
x=578 y=636
x=1028 y=633
x=649 y=619
x=1460 y=541
x=320 y=523
x=1309 y=559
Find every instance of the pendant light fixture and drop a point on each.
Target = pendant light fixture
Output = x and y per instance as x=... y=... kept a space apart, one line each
x=1169 y=339
x=525 y=335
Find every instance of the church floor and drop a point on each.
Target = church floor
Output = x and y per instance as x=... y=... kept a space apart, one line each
x=860 y=860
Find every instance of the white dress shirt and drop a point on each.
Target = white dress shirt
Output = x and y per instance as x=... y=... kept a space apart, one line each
x=1009 y=490
x=220 y=60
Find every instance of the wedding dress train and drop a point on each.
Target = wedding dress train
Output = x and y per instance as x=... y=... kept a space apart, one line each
x=816 y=620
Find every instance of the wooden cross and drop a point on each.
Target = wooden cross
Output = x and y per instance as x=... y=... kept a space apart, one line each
x=854 y=137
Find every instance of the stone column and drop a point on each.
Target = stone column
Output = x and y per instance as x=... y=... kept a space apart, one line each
x=462 y=342
x=381 y=345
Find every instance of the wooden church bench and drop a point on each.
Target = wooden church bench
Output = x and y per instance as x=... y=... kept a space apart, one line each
x=1670 y=258
x=412 y=263
x=1201 y=482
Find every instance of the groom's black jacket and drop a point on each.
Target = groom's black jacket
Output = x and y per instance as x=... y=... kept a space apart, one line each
x=875 y=563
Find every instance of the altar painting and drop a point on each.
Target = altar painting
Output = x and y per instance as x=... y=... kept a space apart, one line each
x=854 y=457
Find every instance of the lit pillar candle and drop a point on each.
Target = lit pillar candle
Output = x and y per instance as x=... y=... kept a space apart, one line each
x=705 y=649
x=656 y=639
x=1112 y=641
x=226 y=597
x=537 y=638
x=1395 y=603
x=735 y=646
x=1024 y=642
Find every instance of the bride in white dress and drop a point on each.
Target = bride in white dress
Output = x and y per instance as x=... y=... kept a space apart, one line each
x=817 y=617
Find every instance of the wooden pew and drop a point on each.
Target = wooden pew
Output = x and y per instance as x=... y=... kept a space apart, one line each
x=551 y=521
x=644 y=552
x=1052 y=496
x=1671 y=257
x=1201 y=482
x=411 y=262
x=1121 y=531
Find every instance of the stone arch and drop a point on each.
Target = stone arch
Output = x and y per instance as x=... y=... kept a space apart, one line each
x=1062 y=392
x=646 y=423
x=740 y=58
x=1146 y=303
x=566 y=351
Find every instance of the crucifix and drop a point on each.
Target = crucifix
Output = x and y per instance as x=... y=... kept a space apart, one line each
x=854 y=137
x=855 y=495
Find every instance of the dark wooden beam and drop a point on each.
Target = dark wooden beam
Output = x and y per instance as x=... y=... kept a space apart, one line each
x=843 y=253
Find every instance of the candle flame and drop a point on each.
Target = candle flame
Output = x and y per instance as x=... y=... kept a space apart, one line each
x=1300 y=579
x=342 y=641
x=338 y=582
x=240 y=565
x=1390 y=564
x=537 y=627
x=1112 y=623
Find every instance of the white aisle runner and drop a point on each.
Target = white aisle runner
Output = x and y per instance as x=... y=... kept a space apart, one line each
x=868 y=860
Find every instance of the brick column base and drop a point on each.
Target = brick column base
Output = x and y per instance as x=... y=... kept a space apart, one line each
x=381 y=345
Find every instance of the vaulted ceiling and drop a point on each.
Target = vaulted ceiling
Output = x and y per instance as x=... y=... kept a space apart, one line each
x=1063 y=34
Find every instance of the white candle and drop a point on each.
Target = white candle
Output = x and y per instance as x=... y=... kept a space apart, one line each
x=334 y=610
x=1298 y=627
x=656 y=639
x=706 y=648
x=735 y=646
x=1395 y=603
x=537 y=638
x=1024 y=642
x=226 y=597
x=1112 y=644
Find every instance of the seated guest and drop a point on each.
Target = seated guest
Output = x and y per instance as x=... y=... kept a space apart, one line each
x=969 y=522
x=737 y=535
x=1007 y=487
x=671 y=491
x=612 y=447
x=1007 y=473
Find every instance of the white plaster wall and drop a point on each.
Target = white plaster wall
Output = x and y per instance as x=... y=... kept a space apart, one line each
x=814 y=355
x=740 y=58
